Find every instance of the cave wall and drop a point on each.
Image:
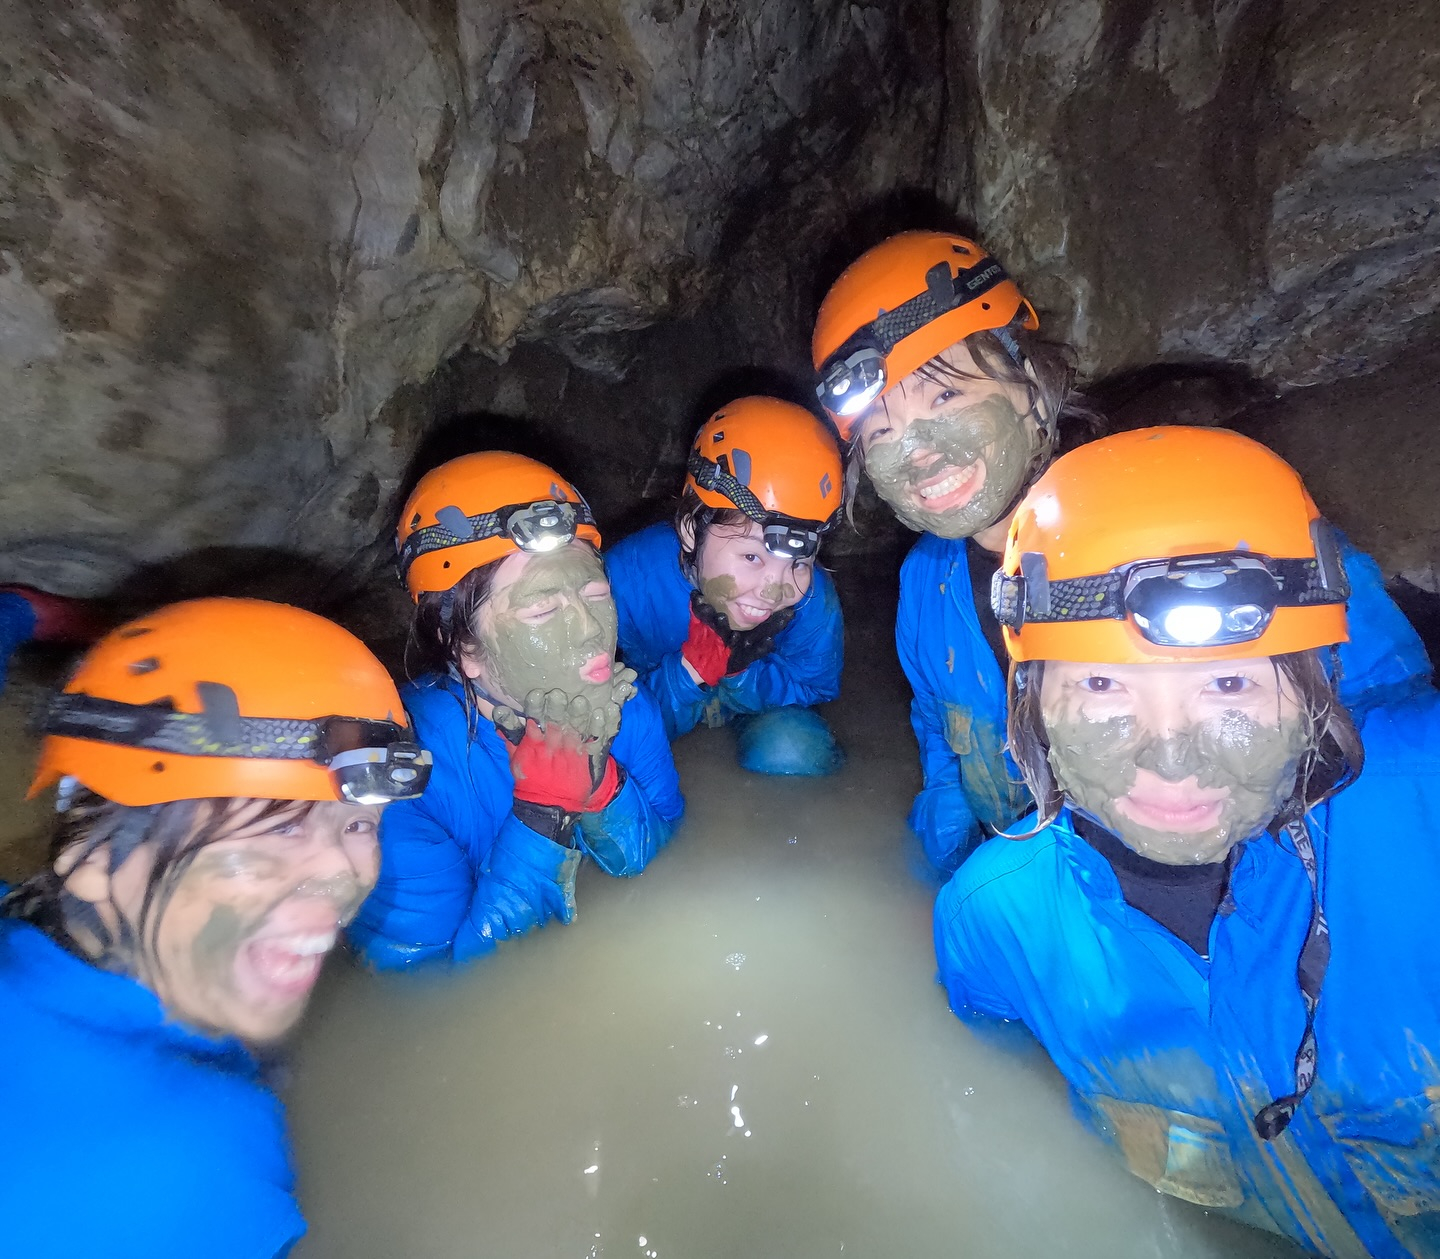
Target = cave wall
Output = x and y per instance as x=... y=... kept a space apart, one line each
x=1247 y=180
x=236 y=239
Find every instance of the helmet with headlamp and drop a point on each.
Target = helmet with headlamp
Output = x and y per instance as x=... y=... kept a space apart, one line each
x=231 y=698
x=1168 y=545
x=899 y=305
x=775 y=462
x=483 y=507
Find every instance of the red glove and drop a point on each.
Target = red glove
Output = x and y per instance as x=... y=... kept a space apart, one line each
x=555 y=768
x=706 y=651
x=552 y=767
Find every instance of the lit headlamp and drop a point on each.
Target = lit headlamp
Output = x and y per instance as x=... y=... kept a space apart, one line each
x=540 y=527
x=537 y=527
x=1211 y=600
x=790 y=539
x=370 y=762
x=854 y=375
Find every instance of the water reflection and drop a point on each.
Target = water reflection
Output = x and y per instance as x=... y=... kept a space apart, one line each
x=743 y=1052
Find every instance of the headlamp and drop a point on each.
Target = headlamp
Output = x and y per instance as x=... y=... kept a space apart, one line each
x=852 y=378
x=536 y=527
x=1212 y=600
x=539 y=527
x=370 y=762
x=791 y=539
x=1202 y=601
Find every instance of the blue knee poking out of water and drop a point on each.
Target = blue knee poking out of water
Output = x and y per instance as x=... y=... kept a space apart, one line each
x=794 y=741
x=17 y=624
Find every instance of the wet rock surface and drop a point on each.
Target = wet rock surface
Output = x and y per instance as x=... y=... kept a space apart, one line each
x=237 y=241
x=1251 y=181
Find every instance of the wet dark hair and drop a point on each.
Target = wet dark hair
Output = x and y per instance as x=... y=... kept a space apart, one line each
x=177 y=830
x=1068 y=418
x=702 y=518
x=443 y=629
x=1333 y=762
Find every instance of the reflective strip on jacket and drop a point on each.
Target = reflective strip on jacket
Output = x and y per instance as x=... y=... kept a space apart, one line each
x=1170 y=1055
x=459 y=873
x=128 y=1135
x=971 y=787
x=652 y=594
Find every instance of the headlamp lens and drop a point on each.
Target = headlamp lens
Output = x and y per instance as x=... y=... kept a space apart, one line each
x=1202 y=601
x=791 y=542
x=850 y=384
x=541 y=527
x=372 y=762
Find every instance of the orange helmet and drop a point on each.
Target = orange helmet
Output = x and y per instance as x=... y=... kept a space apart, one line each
x=899 y=305
x=774 y=461
x=1169 y=545
x=479 y=508
x=231 y=697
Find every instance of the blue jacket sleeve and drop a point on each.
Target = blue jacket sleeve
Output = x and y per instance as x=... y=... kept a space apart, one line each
x=458 y=871
x=633 y=827
x=1384 y=662
x=682 y=700
x=962 y=950
x=941 y=815
x=434 y=903
x=804 y=668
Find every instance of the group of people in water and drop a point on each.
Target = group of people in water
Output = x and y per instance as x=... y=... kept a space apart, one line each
x=1179 y=754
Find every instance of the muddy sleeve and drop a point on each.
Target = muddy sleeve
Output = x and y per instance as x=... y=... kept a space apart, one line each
x=681 y=699
x=804 y=668
x=426 y=882
x=633 y=827
x=941 y=816
x=965 y=952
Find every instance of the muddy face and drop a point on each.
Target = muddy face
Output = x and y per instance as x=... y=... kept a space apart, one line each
x=1181 y=762
x=950 y=453
x=240 y=942
x=743 y=581
x=550 y=625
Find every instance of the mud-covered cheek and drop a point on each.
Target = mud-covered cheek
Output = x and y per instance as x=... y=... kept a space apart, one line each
x=1093 y=761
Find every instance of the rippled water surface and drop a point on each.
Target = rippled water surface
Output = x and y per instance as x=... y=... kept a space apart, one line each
x=741 y=1053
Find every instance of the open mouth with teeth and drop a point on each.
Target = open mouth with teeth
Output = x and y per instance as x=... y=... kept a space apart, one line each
x=952 y=487
x=278 y=969
x=750 y=613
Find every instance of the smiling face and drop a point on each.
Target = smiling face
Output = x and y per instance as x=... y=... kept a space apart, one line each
x=238 y=943
x=950 y=454
x=549 y=623
x=1181 y=761
x=743 y=581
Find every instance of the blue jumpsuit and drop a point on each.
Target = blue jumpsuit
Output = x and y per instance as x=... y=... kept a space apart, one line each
x=128 y=1135
x=1169 y=1055
x=652 y=595
x=459 y=873
x=971 y=787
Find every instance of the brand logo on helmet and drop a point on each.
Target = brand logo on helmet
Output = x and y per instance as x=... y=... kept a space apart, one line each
x=825 y=486
x=975 y=281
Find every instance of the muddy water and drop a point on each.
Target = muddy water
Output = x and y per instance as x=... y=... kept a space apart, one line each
x=741 y=1053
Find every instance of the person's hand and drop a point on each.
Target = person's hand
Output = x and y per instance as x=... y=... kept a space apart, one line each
x=560 y=748
x=551 y=748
